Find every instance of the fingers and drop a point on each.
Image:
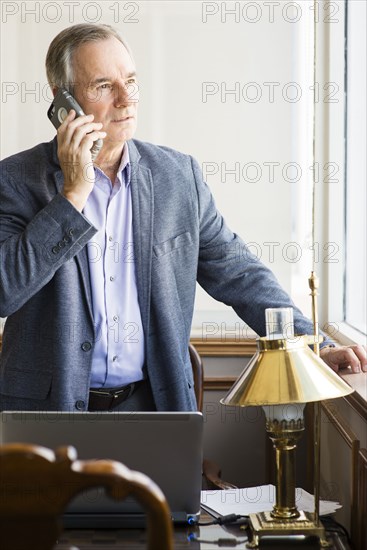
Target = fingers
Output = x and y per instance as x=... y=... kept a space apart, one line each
x=75 y=132
x=355 y=357
x=341 y=357
x=361 y=353
x=331 y=357
x=350 y=359
x=75 y=139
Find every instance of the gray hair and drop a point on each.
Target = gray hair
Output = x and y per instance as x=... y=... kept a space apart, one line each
x=59 y=58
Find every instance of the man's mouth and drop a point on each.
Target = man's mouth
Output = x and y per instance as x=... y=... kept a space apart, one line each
x=123 y=119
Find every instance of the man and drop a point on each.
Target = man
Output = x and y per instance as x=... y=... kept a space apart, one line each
x=99 y=263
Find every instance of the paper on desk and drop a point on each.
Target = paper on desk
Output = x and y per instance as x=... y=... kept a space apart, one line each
x=252 y=500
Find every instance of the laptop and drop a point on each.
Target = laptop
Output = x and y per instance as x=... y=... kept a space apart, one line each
x=166 y=446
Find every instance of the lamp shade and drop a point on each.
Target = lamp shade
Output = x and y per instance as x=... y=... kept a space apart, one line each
x=284 y=371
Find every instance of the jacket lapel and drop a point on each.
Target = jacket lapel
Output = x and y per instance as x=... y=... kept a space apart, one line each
x=143 y=215
x=81 y=258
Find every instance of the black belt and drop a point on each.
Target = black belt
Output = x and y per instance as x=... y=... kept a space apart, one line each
x=105 y=399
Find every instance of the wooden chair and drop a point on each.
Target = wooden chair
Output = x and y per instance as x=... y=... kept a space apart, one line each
x=211 y=470
x=36 y=485
x=198 y=373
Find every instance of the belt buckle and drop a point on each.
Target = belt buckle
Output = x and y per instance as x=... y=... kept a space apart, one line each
x=118 y=393
x=98 y=392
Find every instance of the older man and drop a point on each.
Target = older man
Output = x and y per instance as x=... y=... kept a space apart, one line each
x=99 y=261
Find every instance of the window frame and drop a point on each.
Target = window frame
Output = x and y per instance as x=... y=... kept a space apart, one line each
x=330 y=205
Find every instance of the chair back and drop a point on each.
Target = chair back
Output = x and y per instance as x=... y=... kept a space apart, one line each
x=36 y=485
x=198 y=373
x=211 y=470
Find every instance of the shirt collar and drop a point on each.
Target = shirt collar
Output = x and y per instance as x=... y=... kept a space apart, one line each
x=124 y=163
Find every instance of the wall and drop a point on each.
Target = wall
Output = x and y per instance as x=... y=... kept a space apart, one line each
x=227 y=82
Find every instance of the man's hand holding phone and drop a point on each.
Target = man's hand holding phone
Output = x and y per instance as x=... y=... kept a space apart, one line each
x=75 y=138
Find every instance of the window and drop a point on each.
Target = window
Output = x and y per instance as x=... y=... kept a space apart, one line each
x=341 y=143
x=355 y=298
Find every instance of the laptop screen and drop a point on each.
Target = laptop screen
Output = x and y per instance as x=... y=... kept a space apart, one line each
x=166 y=446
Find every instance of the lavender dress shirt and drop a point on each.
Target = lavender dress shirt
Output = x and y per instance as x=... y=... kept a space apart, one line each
x=118 y=354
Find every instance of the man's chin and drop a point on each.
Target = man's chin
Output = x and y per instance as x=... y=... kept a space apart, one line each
x=116 y=140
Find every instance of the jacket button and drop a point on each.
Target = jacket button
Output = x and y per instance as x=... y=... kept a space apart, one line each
x=80 y=405
x=61 y=244
x=70 y=232
x=86 y=346
x=55 y=249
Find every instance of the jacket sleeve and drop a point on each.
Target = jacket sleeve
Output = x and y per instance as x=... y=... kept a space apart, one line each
x=33 y=246
x=230 y=273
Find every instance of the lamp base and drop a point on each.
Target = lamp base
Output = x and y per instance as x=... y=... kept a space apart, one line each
x=263 y=524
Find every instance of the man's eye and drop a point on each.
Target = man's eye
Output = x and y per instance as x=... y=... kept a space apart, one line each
x=131 y=81
x=104 y=86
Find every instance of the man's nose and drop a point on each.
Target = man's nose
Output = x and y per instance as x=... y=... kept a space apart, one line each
x=126 y=93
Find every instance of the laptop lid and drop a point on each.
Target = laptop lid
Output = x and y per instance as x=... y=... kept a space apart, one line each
x=166 y=446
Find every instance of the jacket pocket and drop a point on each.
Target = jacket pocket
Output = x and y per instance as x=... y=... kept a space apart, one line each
x=161 y=249
x=25 y=384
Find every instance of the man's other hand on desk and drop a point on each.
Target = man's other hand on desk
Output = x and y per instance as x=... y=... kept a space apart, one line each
x=341 y=357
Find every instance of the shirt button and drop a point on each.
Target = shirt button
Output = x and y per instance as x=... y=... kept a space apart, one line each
x=80 y=405
x=114 y=358
x=112 y=278
x=86 y=346
x=110 y=238
x=115 y=318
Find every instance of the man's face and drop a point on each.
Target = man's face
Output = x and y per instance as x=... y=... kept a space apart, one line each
x=106 y=86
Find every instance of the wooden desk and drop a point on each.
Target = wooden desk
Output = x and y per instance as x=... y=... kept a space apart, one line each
x=184 y=538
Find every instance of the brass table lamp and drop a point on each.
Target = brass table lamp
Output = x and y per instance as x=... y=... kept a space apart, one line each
x=282 y=377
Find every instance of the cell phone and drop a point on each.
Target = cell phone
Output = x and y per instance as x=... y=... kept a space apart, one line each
x=60 y=107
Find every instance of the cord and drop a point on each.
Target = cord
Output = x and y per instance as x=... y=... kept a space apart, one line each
x=219 y=542
x=332 y=526
x=221 y=520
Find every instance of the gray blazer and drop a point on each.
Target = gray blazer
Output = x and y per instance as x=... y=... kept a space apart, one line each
x=179 y=237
